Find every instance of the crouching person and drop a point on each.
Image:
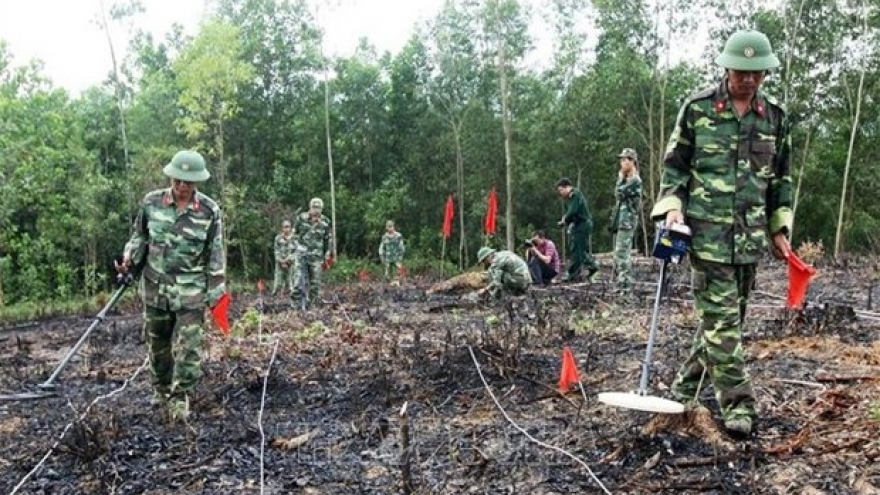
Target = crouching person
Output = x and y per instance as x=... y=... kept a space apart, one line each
x=508 y=273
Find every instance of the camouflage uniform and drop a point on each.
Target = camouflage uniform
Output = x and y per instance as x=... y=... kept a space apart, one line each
x=313 y=236
x=730 y=177
x=624 y=223
x=391 y=251
x=184 y=270
x=508 y=273
x=580 y=225
x=285 y=249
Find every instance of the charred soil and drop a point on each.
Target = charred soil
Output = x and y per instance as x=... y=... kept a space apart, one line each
x=325 y=417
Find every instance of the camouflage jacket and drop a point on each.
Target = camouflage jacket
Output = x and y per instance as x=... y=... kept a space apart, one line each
x=507 y=263
x=313 y=234
x=729 y=176
x=391 y=248
x=180 y=252
x=285 y=248
x=628 y=192
x=577 y=214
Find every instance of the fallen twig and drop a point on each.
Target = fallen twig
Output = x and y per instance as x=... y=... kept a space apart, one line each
x=800 y=382
x=526 y=434
x=260 y=416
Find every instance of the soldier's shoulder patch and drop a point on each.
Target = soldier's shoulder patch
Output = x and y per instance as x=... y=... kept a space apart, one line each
x=706 y=94
x=773 y=102
x=156 y=197
x=207 y=202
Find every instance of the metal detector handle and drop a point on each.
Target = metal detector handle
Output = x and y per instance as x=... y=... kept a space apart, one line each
x=649 y=351
x=49 y=383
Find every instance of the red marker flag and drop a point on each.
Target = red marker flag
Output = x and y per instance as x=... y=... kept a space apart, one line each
x=491 y=212
x=220 y=312
x=447 y=217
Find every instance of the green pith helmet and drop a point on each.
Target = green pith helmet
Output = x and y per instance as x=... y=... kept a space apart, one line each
x=316 y=203
x=484 y=253
x=187 y=166
x=747 y=50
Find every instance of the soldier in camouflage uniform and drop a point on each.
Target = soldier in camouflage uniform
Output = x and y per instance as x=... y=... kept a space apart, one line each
x=285 y=249
x=391 y=251
x=579 y=225
x=625 y=216
x=726 y=173
x=177 y=245
x=312 y=233
x=508 y=273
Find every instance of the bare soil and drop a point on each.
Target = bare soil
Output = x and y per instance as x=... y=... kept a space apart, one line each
x=330 y=419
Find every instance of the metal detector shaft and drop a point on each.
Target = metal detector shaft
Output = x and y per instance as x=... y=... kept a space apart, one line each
x=49 y=383
x=646 y=364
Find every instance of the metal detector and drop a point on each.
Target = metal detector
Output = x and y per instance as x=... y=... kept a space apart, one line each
x=49 y=388
x=670 y=246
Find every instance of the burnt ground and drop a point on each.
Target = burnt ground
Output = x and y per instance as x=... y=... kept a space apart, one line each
x=331 y=421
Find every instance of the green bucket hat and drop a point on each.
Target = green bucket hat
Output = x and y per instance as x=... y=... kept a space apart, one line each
x=629 y=153
x=187 y=166
x=747 y=50
x=484 y=253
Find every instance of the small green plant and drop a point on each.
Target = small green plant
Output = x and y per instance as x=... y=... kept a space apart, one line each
x=874 y=412
x=313 y=330
x=811 y=252
x=247 y=324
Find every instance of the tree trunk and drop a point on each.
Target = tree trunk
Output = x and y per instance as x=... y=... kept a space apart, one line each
x=459 y=173
x=508 y=155
x=852 y=139
x=330 y=158
x=800 y=179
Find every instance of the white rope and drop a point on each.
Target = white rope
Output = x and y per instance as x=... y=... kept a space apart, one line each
x=260 y=416
x=76 y=420
x=527 y=435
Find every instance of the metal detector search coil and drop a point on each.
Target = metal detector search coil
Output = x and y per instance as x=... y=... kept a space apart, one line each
x=672 y=243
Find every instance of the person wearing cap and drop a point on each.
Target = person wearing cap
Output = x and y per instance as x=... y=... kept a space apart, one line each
x=312 y=233
x=508 y=273
x=285 y=249
x=391 y=250
x=579 y=226
x=625 y=216
x=177 y=245
x=726 y=175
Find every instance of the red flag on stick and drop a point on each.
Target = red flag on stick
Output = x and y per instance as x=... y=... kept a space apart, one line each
x=447 y=217
x=220 y=312
x=491 y=212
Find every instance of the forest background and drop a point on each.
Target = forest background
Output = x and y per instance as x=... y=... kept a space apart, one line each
x=459 y=110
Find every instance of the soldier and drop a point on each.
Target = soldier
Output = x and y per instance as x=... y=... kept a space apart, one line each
x=625 y=216
x=391 y=251
x=579 y=225
x=508 y=273
x=178 y=244
x=285 y=249
x=727 y=169
x=312 y=233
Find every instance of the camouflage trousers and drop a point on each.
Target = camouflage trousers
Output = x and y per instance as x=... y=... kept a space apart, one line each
x=720 y=295
x=283 y=276
x=174 y=340
x=579 y=253
x=511 y=284
x=623 y=240
x=393 y=274
x=311 y=268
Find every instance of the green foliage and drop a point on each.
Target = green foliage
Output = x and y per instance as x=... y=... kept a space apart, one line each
x=409 y=128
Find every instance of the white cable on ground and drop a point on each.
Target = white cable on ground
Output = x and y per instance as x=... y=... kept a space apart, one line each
x=527 y=435
x=76 y=420
x=260 y=416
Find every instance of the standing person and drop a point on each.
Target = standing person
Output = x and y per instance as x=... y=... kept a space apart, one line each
x=542 y=258
x=508 y=273
x=391 y=251
x=312 y=233
x=625 y=216
x=727 y=169
x=178 y=242
x=579 y=226
x=285 y=249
